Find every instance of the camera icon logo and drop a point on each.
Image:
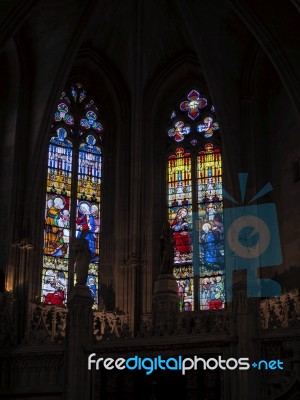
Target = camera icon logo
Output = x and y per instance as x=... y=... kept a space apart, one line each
x=252 y=236
x=252 y=241
x=247 y=249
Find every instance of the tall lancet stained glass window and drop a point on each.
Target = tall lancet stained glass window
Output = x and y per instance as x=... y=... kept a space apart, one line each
x=195 y=203
x=73 y=194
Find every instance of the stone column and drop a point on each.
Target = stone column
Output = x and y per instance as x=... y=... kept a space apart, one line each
x=79 y=339
x=165 y=305
x=247 y=329
x=20 y=281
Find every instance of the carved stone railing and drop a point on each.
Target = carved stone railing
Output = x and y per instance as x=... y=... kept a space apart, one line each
x=281 y=312
x=205 y=322
x=45 y=324
x=110 y=325
x=215 y=322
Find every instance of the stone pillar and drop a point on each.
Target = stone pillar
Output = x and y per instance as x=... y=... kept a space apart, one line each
x=165 y=305
x=7 y=318
x=20 y=281
x=79 y=339
x=247 y=328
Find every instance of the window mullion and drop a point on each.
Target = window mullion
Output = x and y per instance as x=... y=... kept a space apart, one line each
x=73 y=204
x=195 y=231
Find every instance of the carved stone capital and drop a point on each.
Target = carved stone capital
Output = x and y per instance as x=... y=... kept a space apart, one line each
x=133 y=261
x=24 y=243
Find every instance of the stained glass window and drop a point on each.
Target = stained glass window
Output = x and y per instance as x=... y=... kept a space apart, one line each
x=73 y=194
x=195 y=203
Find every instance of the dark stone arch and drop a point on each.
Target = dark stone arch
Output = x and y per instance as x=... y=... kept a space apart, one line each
x=273 y=49
x=291 y=393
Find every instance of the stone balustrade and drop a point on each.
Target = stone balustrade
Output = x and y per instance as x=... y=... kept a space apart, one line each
x=47 y=324
x=281 y=312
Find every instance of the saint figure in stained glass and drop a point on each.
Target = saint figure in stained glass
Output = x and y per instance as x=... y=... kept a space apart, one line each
x=180 y=226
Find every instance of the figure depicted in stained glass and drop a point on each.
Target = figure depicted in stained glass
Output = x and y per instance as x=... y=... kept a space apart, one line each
x=54 y=287
x=208 y=127
x=185 y=293
x=63 y=222
x=60 y=140
x=212 y=294
x=86 y=225
x=174 y=203
x=91 y=283
x=216 y=292
x=204 y=293
x=179 y=131
x=185 y=202
x=89 y=170
x=95 y=214
x=208 y=245
x=54 y=231
x=211 y=245
x=187 y=306
x=218 y=227
x=181 y=235
x=211 y=211
x=185 y=282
